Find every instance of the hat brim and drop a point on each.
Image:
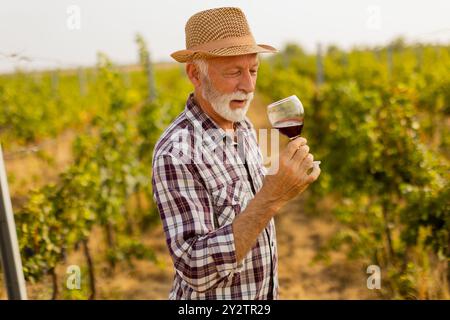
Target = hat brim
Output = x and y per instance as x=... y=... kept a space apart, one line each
x=189 y=55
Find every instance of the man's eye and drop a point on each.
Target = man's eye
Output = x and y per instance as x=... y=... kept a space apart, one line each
x=238 y=73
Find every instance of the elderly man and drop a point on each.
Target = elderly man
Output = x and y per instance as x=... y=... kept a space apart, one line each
x=215 y=201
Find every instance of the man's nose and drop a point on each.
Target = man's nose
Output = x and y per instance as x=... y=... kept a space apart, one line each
x=247 y=82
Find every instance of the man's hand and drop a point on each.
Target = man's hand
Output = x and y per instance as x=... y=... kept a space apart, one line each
x=292 y=177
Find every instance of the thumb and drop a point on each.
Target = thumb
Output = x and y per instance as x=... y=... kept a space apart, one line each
x=315 y=172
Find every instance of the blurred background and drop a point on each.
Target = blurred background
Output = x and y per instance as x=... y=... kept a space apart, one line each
x=86 y=89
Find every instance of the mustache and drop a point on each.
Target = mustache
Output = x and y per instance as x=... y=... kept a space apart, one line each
x=239 y=95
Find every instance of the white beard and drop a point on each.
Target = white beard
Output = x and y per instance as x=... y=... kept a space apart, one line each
x=221 y=102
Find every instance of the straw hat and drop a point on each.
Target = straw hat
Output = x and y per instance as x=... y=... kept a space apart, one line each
x=218 y=32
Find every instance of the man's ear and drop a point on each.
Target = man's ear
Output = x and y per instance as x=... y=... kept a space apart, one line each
x=193 y=74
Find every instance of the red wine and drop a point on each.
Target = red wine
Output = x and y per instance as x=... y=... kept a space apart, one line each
x=290 y=128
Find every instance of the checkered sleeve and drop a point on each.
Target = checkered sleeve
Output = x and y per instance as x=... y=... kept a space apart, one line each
x=203 y=256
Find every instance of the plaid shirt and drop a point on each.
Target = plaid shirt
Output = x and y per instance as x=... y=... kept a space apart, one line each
x=200 y=183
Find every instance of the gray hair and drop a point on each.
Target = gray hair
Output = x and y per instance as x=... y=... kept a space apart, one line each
x=202 y=66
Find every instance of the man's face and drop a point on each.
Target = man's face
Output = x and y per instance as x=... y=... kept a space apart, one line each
x=230 y=85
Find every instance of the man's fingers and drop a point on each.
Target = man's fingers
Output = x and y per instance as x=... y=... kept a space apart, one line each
x=307 y=162
x=301 y=153
x=294 y=145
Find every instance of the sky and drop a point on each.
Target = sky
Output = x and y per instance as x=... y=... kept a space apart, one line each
x=62 y=33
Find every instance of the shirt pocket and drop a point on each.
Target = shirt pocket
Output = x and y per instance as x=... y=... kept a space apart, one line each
x=228 y=201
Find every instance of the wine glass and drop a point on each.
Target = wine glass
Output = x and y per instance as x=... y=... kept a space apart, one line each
x=287 y=115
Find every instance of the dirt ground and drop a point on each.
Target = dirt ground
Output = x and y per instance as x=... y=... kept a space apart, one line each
x=299 y=237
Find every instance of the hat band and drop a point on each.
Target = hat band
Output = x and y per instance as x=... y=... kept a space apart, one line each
x=224 y=43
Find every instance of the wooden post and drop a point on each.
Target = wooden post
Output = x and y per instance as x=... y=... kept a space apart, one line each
x=319 y=77
x=55 y=82
x=9 y=247
x=126 y=78
x=389 y=61
x=419 y=57
x=82 y=81
x=151 y=80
